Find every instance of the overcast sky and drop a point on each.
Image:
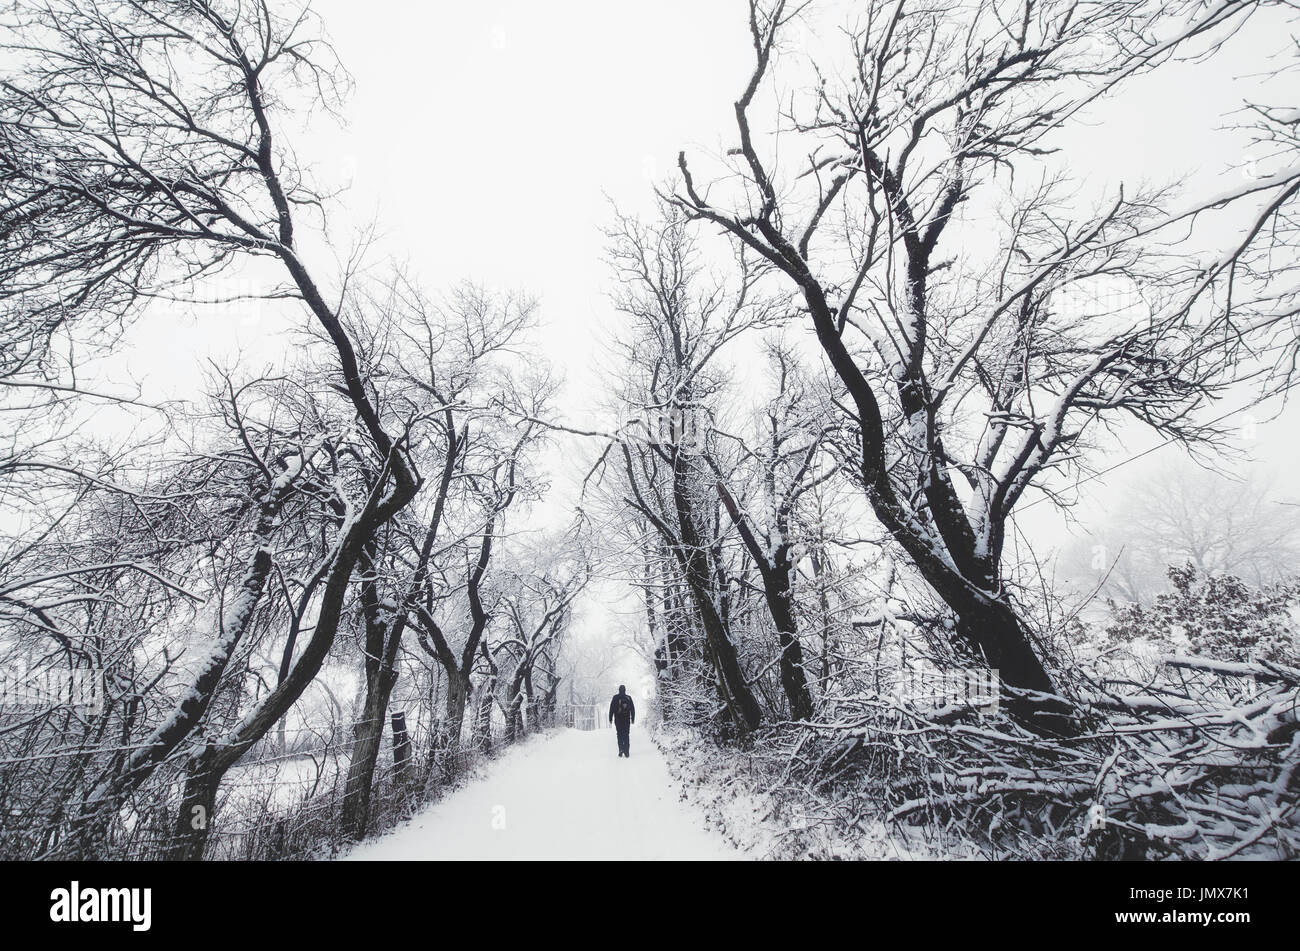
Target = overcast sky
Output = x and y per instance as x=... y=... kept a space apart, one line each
x=485 y=139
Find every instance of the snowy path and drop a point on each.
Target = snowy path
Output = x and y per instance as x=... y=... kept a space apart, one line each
x=565 y=797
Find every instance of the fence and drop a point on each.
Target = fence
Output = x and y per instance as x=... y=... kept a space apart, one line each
x=582 y=716
x=270 y=806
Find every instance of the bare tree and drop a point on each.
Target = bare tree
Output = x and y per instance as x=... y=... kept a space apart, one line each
x=538 y=613
x=1182 y=513
x=975 y=367
x=790 y=460
x=497 y=469
x=679 y=326
x=444 y=357
x=138 y=138
x=584 y=665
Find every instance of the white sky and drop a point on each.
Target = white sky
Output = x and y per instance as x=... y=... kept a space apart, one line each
x=484 y=139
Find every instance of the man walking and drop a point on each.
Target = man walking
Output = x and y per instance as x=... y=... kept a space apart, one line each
x=622 y=713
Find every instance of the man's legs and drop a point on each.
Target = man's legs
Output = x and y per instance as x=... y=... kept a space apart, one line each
x=623 y=740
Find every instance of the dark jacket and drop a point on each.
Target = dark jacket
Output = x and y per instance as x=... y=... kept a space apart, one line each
x=622 y=709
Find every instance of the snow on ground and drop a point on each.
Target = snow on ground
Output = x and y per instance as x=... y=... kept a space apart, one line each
x=566 y=796
x=280 y=781
x=746 y=800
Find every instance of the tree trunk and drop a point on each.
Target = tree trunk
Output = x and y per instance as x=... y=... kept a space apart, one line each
x=198 y=805
x=483 y=722
x=739 y=699
x=776 y=585
x=457 y=701
x=221 y=756
x=778 y=575
x=1004 y=639
x=530 y=703
x=367 y=738
x=514 y=712
x=483 y=713
x=824 y=608
x=983 y=614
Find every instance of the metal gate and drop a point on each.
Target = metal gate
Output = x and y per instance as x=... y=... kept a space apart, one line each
x=583 y=716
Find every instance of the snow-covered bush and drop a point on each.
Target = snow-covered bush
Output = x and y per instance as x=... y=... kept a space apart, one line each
x=1218 y=616
x=1199 y=761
